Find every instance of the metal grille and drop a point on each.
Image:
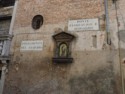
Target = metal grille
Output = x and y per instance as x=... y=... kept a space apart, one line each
x=5 y=3
x=1 y=47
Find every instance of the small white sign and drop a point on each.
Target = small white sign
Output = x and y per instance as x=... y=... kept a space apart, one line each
x=83 y=24
x=32 y=45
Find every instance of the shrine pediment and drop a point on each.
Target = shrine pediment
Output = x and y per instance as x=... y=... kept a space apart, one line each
x=63 y=36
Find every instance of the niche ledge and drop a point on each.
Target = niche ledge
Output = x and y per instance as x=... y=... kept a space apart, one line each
x=62 y=60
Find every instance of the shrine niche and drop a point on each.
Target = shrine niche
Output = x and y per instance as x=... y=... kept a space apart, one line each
x=62 y=52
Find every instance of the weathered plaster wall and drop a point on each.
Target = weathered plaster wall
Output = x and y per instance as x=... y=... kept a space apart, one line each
x=95 y=69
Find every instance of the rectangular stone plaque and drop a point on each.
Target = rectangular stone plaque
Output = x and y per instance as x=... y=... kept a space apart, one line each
x=36 y=45
x=83 y=24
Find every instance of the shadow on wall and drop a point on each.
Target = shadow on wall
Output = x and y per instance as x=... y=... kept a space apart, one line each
x=98 y=82
x=121 y=35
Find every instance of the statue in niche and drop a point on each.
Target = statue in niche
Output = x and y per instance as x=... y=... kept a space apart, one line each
x=62 y=48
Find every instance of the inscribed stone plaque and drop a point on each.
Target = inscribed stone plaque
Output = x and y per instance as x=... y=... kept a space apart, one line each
x=36 y=45
x=83 y=24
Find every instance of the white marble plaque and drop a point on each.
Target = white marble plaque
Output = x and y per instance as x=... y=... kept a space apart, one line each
x=83 y=24
x=36 y=45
